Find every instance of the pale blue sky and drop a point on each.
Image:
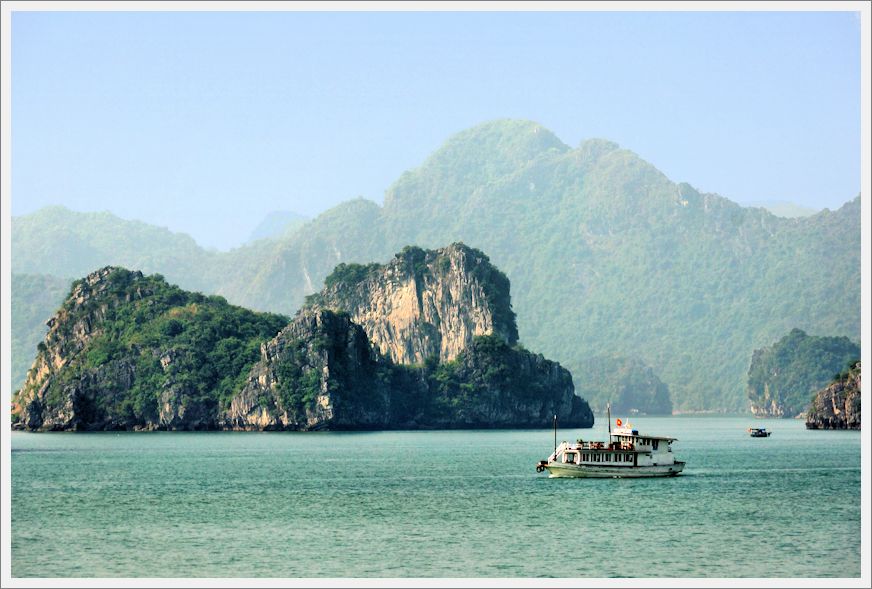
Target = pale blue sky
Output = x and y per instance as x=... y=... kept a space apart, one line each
x=205 y=122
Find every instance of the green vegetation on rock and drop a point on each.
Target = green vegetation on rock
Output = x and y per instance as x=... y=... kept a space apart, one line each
x=128 y=344
x=127 y=351
x=784 y=377
x=494 y=382
x=350 y=274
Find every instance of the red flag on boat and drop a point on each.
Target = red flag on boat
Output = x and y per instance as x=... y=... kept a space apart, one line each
x=618 y=422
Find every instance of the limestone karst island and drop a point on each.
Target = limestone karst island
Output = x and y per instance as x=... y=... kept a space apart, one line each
x=428 y=340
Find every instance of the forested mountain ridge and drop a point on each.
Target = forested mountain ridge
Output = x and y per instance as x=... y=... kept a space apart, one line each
x=59 y=242
x=606 y=256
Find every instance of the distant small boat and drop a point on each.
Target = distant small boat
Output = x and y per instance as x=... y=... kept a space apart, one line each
x=759 y=432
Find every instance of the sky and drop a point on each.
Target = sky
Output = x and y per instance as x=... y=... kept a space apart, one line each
x=205 y=122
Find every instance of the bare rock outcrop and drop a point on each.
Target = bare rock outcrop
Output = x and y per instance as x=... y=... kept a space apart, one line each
x=424 y=303
x=837 y=406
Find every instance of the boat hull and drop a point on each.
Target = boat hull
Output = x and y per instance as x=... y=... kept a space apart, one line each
x=575 y=471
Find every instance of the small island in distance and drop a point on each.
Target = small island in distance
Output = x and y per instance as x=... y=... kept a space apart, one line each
x=427 y=340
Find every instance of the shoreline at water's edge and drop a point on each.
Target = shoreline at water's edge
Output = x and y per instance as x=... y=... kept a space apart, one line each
x=472 y=427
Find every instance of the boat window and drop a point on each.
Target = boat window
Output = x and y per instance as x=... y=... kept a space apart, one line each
x=656 y=442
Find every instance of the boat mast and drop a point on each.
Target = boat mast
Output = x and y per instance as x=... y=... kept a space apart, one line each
x=555 y=433
x=609 y=410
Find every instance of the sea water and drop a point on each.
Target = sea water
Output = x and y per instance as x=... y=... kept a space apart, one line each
x=433 y=504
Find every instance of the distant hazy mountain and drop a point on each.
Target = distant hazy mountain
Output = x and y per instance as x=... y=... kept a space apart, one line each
x=54 y=245
x=59 y=242
x=277 y=224
x=35 y=298
x=785 y=209
x=606 y=257
x=626 y=384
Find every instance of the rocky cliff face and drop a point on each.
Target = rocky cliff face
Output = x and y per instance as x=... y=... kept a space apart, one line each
x=318 y=372
x=837 y=406
x=424 y=303
x=51 y=400
x=127 y=351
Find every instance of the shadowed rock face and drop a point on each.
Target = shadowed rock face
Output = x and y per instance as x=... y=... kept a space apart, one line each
x=512 y=388
x=321 y=372
x=837 y=406
x=318 y=372
x=424 y=303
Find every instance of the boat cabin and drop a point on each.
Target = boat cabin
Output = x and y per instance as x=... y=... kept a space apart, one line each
x=626 y=447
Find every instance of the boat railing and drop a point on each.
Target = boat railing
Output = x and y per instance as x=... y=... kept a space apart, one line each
x=582 y=445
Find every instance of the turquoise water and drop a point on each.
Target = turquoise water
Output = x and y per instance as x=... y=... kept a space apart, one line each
x=433 y=504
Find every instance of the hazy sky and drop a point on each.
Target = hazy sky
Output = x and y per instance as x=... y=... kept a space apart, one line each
x=205 y=122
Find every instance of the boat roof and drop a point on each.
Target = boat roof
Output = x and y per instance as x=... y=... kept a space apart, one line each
x=634 y=433
x=647 y=437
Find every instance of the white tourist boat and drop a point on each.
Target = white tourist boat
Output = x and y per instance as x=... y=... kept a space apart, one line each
x=627 y=454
